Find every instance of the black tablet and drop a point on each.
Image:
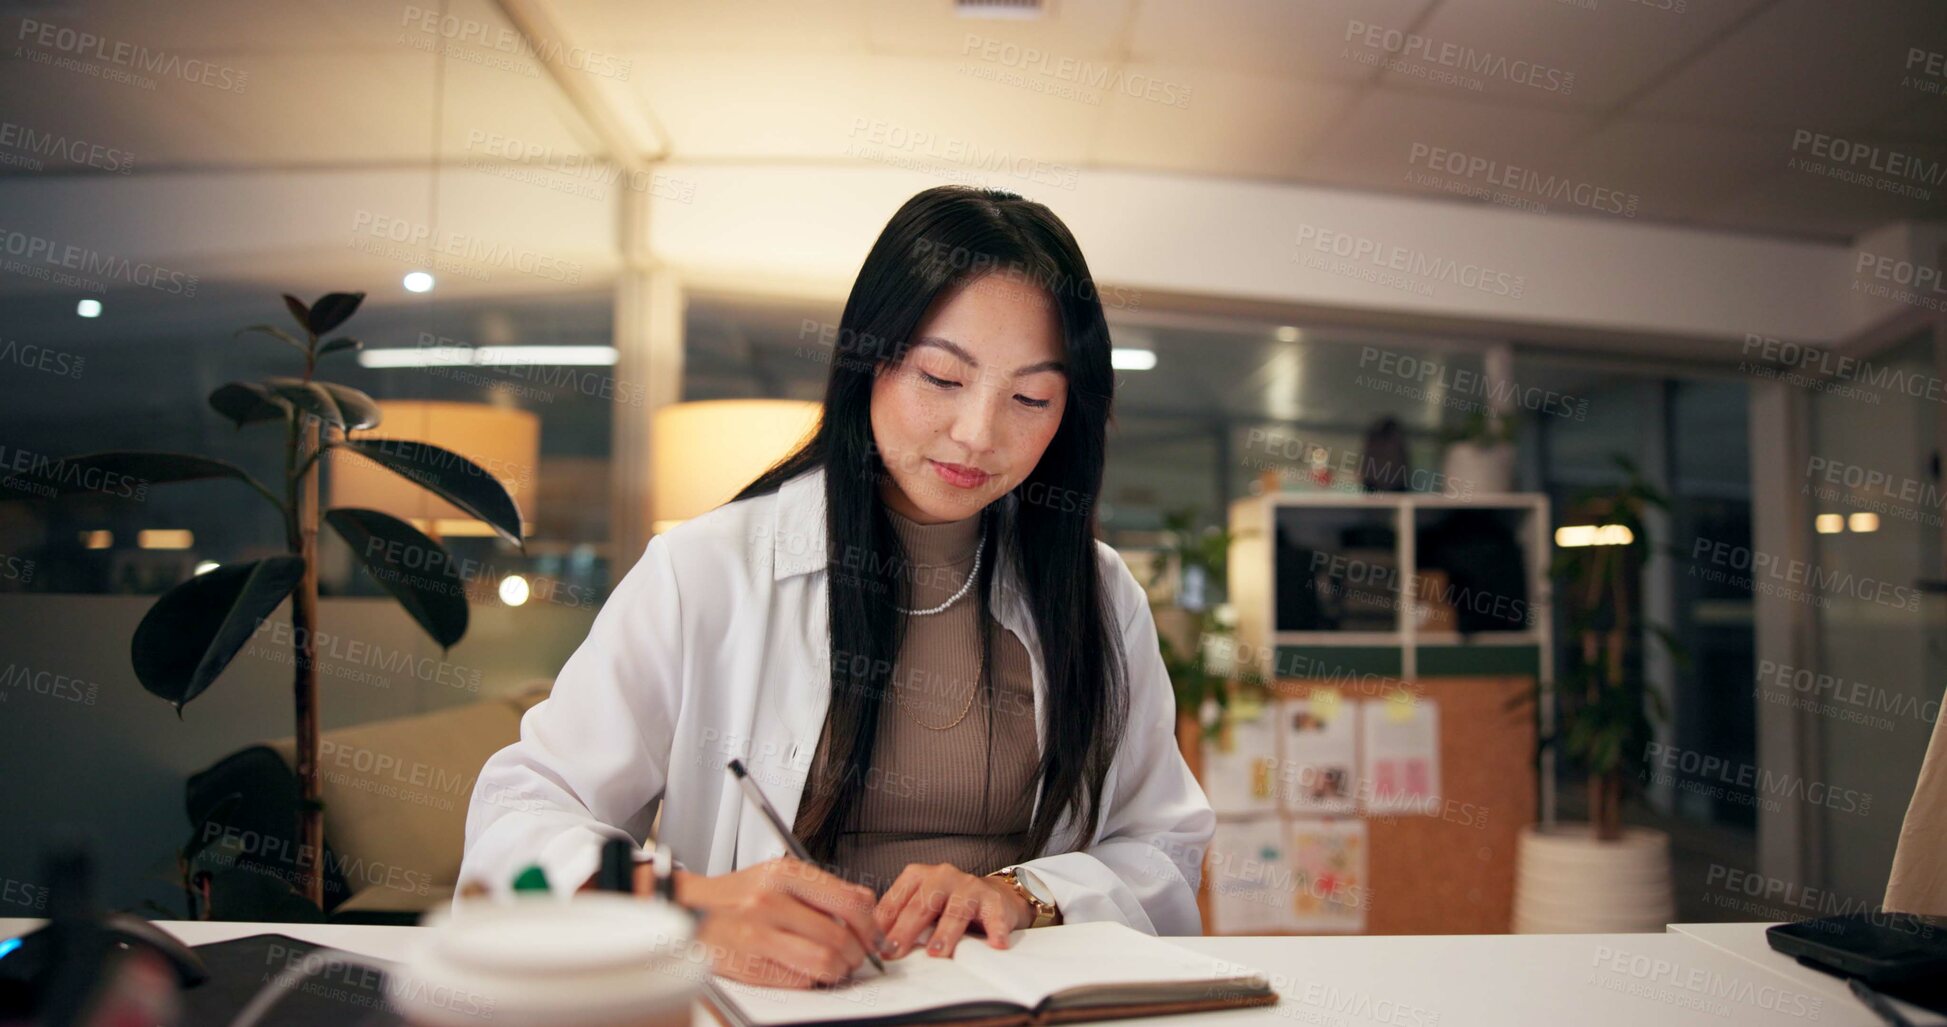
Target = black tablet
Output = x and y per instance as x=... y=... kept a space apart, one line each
x=1878 y=948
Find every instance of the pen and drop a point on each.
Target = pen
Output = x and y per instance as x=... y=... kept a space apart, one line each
x=792 y=843
x=1877 y=1003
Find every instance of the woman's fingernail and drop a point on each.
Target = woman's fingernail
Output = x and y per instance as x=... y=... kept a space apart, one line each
x=937 y=947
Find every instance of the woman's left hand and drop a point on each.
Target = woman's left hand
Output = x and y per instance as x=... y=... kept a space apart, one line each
x=950 y=899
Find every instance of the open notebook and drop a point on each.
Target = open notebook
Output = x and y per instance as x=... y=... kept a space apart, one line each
x=1092 y=971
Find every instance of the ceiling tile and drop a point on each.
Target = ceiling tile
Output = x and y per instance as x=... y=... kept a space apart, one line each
x=1554 y=53
x=1398 y=141
x=1269 y=37
x=1831 y=67
x=1227 y=124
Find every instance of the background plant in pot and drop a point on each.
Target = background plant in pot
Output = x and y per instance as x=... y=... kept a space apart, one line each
x=1199 y=558
x=1610 y=877
x=194 y=630
x=1480 y=454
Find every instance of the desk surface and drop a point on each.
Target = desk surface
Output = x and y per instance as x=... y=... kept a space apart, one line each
x=1695 y=974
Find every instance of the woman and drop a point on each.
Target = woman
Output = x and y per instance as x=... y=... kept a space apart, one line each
x=907 y=631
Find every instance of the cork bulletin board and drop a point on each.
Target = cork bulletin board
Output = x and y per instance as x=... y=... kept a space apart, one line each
x=1450 y=871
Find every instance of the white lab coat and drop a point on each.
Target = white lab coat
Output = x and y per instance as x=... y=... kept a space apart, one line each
x=715 y=646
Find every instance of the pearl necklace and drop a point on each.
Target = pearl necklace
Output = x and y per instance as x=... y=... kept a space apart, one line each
x=980 y=551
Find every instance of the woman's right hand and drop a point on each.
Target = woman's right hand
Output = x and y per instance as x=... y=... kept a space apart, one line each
x=772 y=924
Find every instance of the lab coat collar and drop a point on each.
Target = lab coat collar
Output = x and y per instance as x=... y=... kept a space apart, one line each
x=798 y=534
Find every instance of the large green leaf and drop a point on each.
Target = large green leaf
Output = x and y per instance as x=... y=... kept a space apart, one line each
x=343 y=342
x=298 y=310
x=310 y=397
x=332 y=310
x=248 y=402
x=197 y=628
x=417 y=570
x=360 y=410
x=126 y=473
x=450 y=476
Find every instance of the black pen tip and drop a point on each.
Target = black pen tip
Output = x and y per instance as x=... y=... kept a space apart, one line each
x=737 y=768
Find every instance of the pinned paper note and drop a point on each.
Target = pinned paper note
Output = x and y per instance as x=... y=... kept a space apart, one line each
x=1319 y=771
x=1400 y=770
x=1241 y=776
x=1327 y=859
x=1252 y=890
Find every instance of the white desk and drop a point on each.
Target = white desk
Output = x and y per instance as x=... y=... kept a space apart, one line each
x=1694 y=975
x=1747 y=942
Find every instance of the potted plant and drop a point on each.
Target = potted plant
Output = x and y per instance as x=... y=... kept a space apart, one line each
x=195 y=629
x=1184 y=628
x=1480 y=454
x=1602 y=876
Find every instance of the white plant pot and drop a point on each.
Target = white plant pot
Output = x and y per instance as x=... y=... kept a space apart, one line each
x=1567 y=882
x=1472 y=469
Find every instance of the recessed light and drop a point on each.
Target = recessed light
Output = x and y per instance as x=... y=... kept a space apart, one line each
x=1123 y=358
x=513 y=590
x=88 y=308
x=1287 y=333
x=418 y=281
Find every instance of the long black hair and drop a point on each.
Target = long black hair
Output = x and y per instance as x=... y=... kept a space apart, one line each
x=938 y=240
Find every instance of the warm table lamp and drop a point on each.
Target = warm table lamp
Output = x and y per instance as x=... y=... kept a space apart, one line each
x=503 y=441
x=701 y=453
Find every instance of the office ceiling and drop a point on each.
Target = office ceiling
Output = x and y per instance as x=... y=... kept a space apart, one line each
x=1699 y=110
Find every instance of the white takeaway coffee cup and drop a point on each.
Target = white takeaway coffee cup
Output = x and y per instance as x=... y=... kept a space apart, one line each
x=598 y=959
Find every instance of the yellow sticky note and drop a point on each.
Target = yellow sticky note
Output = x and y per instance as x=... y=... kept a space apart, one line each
x=1325 y=703
x=1399 y=706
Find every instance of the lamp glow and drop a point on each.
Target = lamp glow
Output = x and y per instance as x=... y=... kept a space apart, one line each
x=1576 y=536
x=1829 y=524
x=1863 y=522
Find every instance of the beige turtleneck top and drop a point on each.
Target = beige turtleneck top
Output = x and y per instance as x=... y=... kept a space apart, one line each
x=936 y=792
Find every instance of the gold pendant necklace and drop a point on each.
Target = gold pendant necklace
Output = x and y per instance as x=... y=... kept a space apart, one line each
x=980 y=660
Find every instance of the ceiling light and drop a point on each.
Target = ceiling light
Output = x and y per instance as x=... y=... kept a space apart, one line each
x=418 y=281
x=1829 y=524
x=1863 y=521
x=489 y=356
x=165 y=538
x=513 y=590
x=88 y=308
x=1124 y=359
x=1287 y=333
x=1575 y=536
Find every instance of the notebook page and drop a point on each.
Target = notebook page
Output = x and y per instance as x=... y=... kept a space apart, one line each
x=1049 y=960
x=916 y=983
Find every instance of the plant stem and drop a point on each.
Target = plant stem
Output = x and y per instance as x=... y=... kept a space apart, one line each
x=301 y=530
